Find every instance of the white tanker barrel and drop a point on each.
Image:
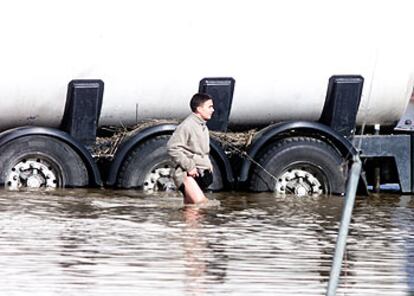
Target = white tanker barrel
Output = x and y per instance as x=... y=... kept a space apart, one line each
x=153 y=54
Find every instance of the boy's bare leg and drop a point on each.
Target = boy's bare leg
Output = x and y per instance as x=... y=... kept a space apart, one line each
x=192 y=192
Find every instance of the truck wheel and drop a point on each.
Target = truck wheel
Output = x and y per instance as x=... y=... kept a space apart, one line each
x=40 y=162
x=300 y=166
x=149 y=167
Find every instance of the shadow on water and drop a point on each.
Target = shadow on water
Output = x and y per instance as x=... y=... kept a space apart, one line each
x=126 y=242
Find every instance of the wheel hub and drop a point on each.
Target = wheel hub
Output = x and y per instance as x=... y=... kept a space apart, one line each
x=298 y=182
x=160 y=179
x=32 y=173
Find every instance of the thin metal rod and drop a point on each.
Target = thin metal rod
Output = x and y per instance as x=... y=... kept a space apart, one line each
x=351 y=188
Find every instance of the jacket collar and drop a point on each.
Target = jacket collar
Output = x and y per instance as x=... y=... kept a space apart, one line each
x=198 y=119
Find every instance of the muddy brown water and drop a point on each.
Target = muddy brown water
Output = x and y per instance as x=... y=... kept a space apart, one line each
x=102 y=242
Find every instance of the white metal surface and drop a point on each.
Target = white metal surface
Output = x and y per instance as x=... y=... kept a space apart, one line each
x=152 y=55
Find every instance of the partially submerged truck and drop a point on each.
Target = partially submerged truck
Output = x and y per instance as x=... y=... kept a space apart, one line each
x=92 y=90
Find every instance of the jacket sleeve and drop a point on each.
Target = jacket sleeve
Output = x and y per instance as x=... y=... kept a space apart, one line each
x=176 y=148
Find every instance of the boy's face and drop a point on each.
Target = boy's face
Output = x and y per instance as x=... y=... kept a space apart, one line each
x=206 y=110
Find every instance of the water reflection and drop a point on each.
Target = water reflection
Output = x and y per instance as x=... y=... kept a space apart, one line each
x=93 y=242
x=195 y=250
x=402 y=214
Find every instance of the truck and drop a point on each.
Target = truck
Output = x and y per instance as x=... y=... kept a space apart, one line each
x=308 y=84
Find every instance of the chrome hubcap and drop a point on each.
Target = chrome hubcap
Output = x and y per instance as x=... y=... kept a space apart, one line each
x=32 y=173
x=298 y=182
x=160 y=179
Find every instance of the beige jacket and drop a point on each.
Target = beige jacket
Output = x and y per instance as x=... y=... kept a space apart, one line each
x=189 y=147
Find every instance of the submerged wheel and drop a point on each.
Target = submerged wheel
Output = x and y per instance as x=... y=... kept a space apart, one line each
x=40 y=162
x=149 y=167
x=300 y=166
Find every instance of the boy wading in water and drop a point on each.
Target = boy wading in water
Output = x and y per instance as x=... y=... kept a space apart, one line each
x=189 y=148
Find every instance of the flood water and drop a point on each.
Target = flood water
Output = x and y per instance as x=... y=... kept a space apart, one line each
x=83 y=242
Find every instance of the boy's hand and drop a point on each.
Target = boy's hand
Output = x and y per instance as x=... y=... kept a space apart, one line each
x=193 y=173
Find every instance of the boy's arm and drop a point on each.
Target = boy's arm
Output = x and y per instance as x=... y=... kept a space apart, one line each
x=176 y=148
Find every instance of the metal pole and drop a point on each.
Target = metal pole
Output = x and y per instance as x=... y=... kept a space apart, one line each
x=351 y=188
x=377 y=168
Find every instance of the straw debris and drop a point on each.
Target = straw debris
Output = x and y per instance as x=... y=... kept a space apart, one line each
x=106 y=147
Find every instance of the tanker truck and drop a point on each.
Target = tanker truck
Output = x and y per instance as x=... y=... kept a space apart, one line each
x=311 y=83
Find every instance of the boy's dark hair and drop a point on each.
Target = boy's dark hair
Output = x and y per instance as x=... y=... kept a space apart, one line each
x=198 y=99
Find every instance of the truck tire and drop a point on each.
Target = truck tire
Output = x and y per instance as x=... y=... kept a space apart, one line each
x=40 y=162
x=300 y=166
x=150 y=168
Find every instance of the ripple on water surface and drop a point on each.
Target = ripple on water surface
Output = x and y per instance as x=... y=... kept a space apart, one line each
x=91 y=242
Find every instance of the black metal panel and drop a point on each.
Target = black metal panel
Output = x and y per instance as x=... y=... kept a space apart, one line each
x=342 y=102
x=396 y=146
x=221 y=89
x=82 y=110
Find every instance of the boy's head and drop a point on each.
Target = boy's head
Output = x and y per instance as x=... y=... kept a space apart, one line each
x=202 y=105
